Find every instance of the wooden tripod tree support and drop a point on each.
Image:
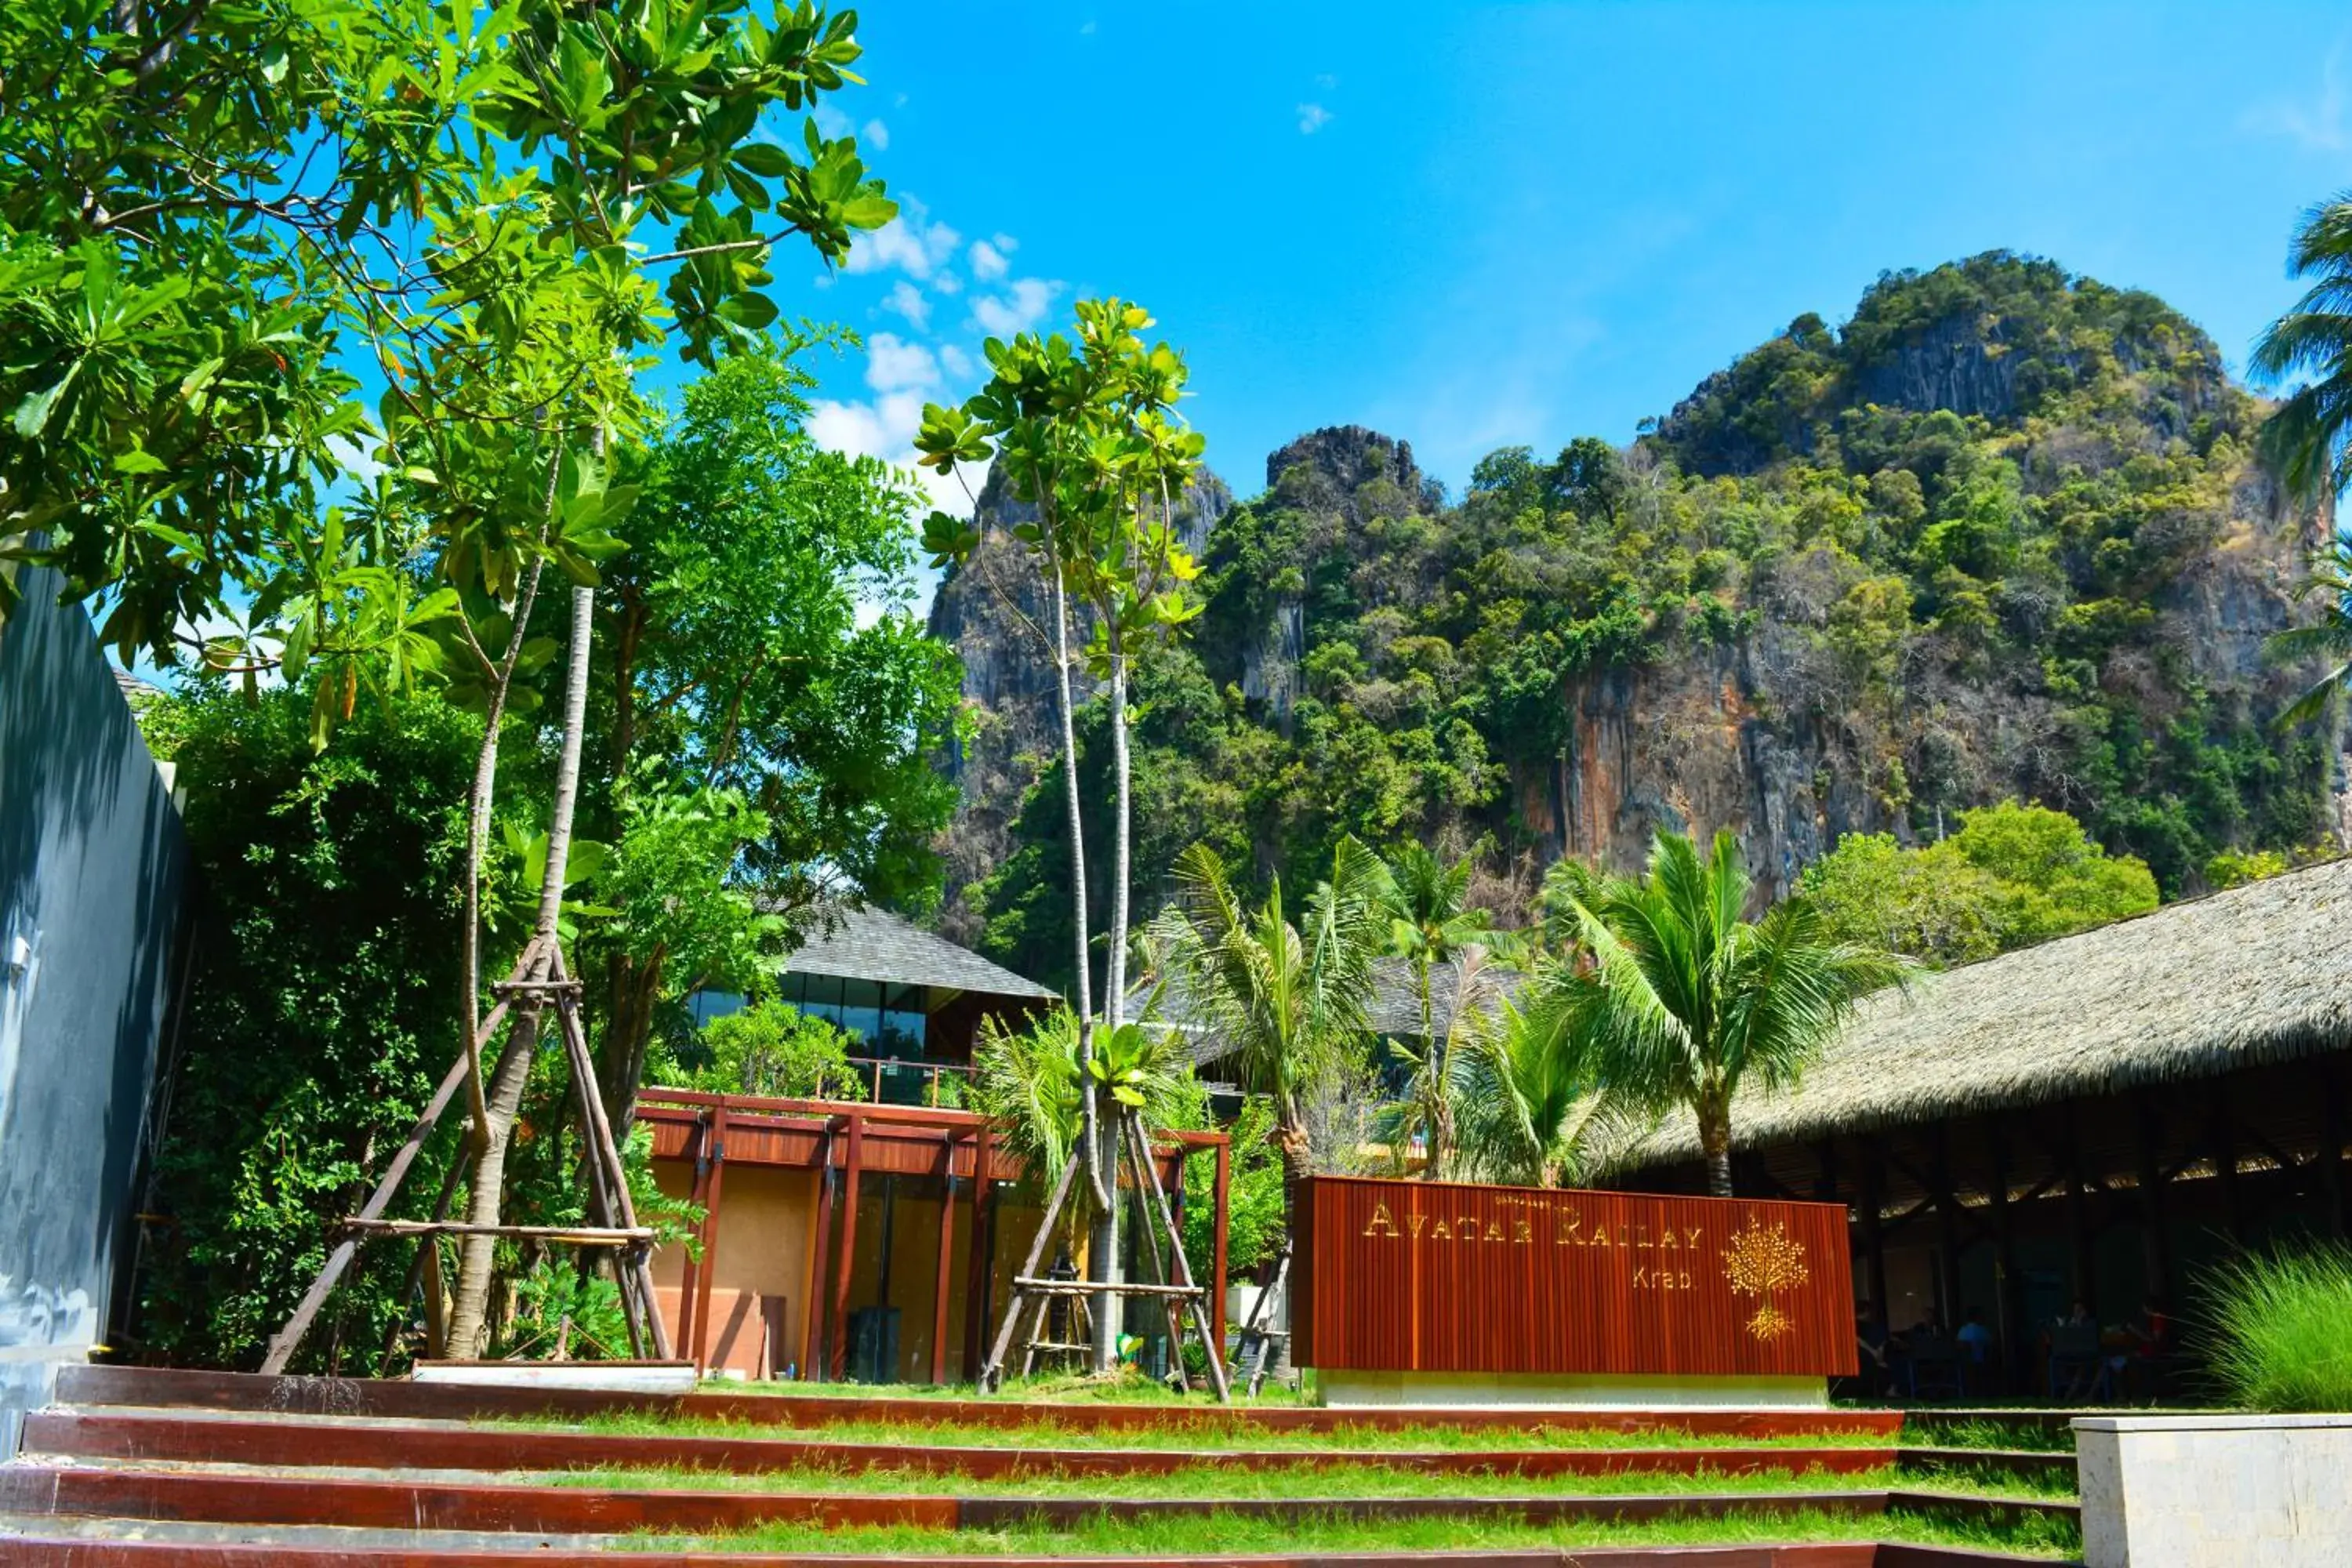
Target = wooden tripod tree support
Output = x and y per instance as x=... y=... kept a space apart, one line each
x=1178 y=1297
x=1257 y=1335
x=537 y=981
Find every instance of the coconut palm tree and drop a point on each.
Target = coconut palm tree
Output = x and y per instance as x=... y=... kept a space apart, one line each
x=1683 y=1001
x=1289 y=1003
x=2308 y=438
x=1029 y=1082
x=1430 y=924
x=1527 y=1109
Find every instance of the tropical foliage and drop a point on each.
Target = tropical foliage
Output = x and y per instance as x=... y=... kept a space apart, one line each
x=770 y=1047
x=1685 y=1001
x=2309 y=437
x=2281 y=1326
x=2010 y=876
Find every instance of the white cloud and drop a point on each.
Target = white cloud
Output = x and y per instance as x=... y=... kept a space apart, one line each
x=360 y=461
x=909 y=242
x=906 y=299
x=877 y=135
x=988 y=261
x=2317 y=123
x=1022 y=303
x=955 y=361
x=893 y=364
x=1312 y=116
x=948 y=283
x=831 y=122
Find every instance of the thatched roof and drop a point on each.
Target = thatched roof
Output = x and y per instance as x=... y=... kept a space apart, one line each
x=2259 y=974
x=875 y=944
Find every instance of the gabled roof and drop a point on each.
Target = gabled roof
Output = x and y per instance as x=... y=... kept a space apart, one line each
x=874 y=945
x=2259 y=974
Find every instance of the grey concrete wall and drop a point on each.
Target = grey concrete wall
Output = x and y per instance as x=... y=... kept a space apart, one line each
x=92 y=873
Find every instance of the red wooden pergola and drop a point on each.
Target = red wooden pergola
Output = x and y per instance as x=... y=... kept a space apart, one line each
x=844 y=1142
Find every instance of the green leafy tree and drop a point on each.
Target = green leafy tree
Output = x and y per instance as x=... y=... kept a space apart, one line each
x=1431 y=924
x=1528 y=1107
x=765 y=740
x=1087 y=437
x=1685 y=1000
x=2010 y=876
x=770 y=1047
x=1290 y=1004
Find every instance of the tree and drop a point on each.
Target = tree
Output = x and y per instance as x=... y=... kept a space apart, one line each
x=770 y=1047
x=1685 y=1000
x=767 y=739
x=1526 y=1107
x=470 y=205
x=2307 y=438
x=2010 y=876
x=1087 y=437
x=1429 y=923
x=1289 y=1003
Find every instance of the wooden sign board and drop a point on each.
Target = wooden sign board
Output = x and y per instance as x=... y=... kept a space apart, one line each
x=1442 y=1276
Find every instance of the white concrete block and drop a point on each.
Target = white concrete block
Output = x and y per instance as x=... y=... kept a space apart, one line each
x=2215 y=1491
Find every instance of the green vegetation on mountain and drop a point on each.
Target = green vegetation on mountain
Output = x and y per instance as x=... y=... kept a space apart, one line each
x=2002 y=535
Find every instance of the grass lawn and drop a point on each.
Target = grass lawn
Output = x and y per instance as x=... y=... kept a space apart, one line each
x=1130 y=1387
x=1051 y=1434
x=1227 y=1535
x=1226 y=1483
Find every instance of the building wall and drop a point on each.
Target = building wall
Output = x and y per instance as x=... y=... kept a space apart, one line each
x=92 y=874
x=762 y=1251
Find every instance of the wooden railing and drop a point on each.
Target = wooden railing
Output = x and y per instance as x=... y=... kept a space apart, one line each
x=920 y=1075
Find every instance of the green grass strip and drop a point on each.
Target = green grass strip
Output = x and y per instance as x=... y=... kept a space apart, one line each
x=1228 y=1484
x=1227 y=1535
x=1050 y=1434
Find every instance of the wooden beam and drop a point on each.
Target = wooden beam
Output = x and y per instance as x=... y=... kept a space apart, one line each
x=2223 y=1138
x=566 y=1235
x=698 y=1195
x=838 y=1349
x=1947 y=1229
x=2008 y=1284
x=979 y=1284
x=2078 y=1225
x=2156 y=1247
x=946 y=1259
x=1222 y=1192
x=2331 y=1149
x=813 y=1325
x=718 y=1157
x=1873 y=1235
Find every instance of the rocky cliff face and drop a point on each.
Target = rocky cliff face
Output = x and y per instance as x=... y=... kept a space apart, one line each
x=997 y=611
x=1998 y=536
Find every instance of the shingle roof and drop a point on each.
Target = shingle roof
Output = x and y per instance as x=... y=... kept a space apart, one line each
x=2258 y=974
x=1395 y=1008
x=874 y=945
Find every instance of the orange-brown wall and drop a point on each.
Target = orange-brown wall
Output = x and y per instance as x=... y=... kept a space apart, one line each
x=762 y=1250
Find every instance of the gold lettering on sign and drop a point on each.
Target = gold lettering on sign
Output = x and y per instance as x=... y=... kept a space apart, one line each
x=1413 y=1224
x=1381 y=1223
x=1522 y=1233
x=1600 y=1237
x=1692 y=1233
x=1465 y=1228
x=1440 y=1232
x=1570 y=1224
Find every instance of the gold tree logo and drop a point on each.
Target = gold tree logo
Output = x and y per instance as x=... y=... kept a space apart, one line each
x=1762 y=1262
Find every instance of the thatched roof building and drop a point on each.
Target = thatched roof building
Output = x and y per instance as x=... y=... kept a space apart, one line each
x=2257 y=974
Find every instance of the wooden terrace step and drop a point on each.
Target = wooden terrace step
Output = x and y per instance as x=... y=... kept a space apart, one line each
x=252 y=1391
x=166 y=1436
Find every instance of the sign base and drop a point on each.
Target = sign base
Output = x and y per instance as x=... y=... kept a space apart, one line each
x=1348 y=1388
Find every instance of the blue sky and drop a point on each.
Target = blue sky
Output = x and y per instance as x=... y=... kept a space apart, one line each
x=1480 y=226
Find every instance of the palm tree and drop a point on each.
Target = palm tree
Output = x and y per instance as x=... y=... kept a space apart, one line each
x=1683 y=1000
x=1526 y=1105
x=1028 y=1080
x=2308 y=438
x=1288 y=1002
x=1429 y=923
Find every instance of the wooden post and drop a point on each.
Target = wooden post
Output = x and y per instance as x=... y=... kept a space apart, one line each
x=700 y=1197
x=1873 y=1236
x=2078 y=1219
x=1947 y=1229
x=1222 y=1192
x=947 y=1258
x=2156 y=1247
x=978 y=1287
x=718 y=1157
x=854 y=1159
x=1825 y=1178
x=2224 y=1139
x=992 y=1370
x=813 y=1341
x=2008 y=1286
x=2331 y=1150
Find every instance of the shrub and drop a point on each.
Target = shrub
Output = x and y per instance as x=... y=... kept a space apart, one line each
x=771 y=1048
x=2283 y=1329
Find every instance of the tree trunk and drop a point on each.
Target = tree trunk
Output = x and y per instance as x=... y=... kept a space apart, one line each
x=477 y=1254
x=1435 y=1070
x=1715 y=1142
x=1089 y=1131
x=1106 y=1237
